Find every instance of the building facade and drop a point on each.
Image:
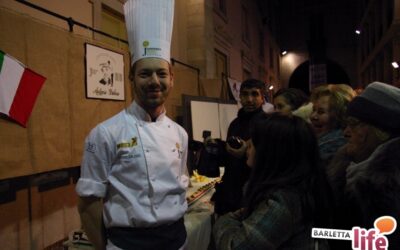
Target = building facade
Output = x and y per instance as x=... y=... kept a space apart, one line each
x=378 y=42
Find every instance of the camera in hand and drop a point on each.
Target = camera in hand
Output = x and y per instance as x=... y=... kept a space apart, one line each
x=234 y=142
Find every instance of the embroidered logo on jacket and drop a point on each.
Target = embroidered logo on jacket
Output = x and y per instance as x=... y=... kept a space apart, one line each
x=91 y=147
x=130 y=144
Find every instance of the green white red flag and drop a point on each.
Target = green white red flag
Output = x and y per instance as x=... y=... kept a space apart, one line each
x=19 y=88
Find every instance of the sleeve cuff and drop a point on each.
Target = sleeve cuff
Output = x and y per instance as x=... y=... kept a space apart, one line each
x=87 y=187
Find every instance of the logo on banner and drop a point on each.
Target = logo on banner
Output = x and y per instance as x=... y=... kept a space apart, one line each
x=362 y=238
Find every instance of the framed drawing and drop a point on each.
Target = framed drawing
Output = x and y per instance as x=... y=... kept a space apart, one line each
x=104 y=73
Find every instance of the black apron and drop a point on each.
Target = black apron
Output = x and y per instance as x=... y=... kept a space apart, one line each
x=168 y=237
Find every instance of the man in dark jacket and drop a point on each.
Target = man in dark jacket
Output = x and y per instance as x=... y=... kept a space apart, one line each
x=365 y=173
x=228 y=195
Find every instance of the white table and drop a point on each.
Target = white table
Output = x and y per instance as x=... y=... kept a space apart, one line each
x=198 y=219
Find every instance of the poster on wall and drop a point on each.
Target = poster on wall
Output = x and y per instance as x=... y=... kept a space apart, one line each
x=104 y=73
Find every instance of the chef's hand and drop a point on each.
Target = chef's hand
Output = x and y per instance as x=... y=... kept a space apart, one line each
x=238 y=153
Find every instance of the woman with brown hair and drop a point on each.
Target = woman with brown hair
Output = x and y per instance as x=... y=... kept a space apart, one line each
x=287 y=193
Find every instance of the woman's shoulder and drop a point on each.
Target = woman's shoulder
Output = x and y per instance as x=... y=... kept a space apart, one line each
x=285 y=212
x=286 y=195
x=286 y=200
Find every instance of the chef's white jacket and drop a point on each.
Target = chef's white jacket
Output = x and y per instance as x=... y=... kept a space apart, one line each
x=138 y=167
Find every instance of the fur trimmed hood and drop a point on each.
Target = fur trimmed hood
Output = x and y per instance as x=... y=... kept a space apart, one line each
x=372 y=189
x=381 y=169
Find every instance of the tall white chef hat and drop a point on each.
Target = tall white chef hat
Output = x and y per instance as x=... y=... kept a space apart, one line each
x=149 y=24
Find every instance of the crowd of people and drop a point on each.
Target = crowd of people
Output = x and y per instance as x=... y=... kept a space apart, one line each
x=330 y=160
x=333 y=166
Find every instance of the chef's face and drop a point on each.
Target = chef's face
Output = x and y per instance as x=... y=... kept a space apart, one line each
x=152 y=81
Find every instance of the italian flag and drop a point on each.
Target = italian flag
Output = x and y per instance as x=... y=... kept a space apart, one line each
x=19 y=87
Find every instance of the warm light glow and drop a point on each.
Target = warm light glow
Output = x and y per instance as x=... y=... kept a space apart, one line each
x=271 y=87
x=284 y=52
x=290 y=61
x=358 y=32
x=395 y=65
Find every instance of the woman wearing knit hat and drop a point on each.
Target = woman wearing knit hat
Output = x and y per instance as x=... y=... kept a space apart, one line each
x=365 y=173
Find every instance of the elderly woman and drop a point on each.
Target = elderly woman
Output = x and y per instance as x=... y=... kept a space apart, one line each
x=328 y=117
x=286 y=194
x=365 y=173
